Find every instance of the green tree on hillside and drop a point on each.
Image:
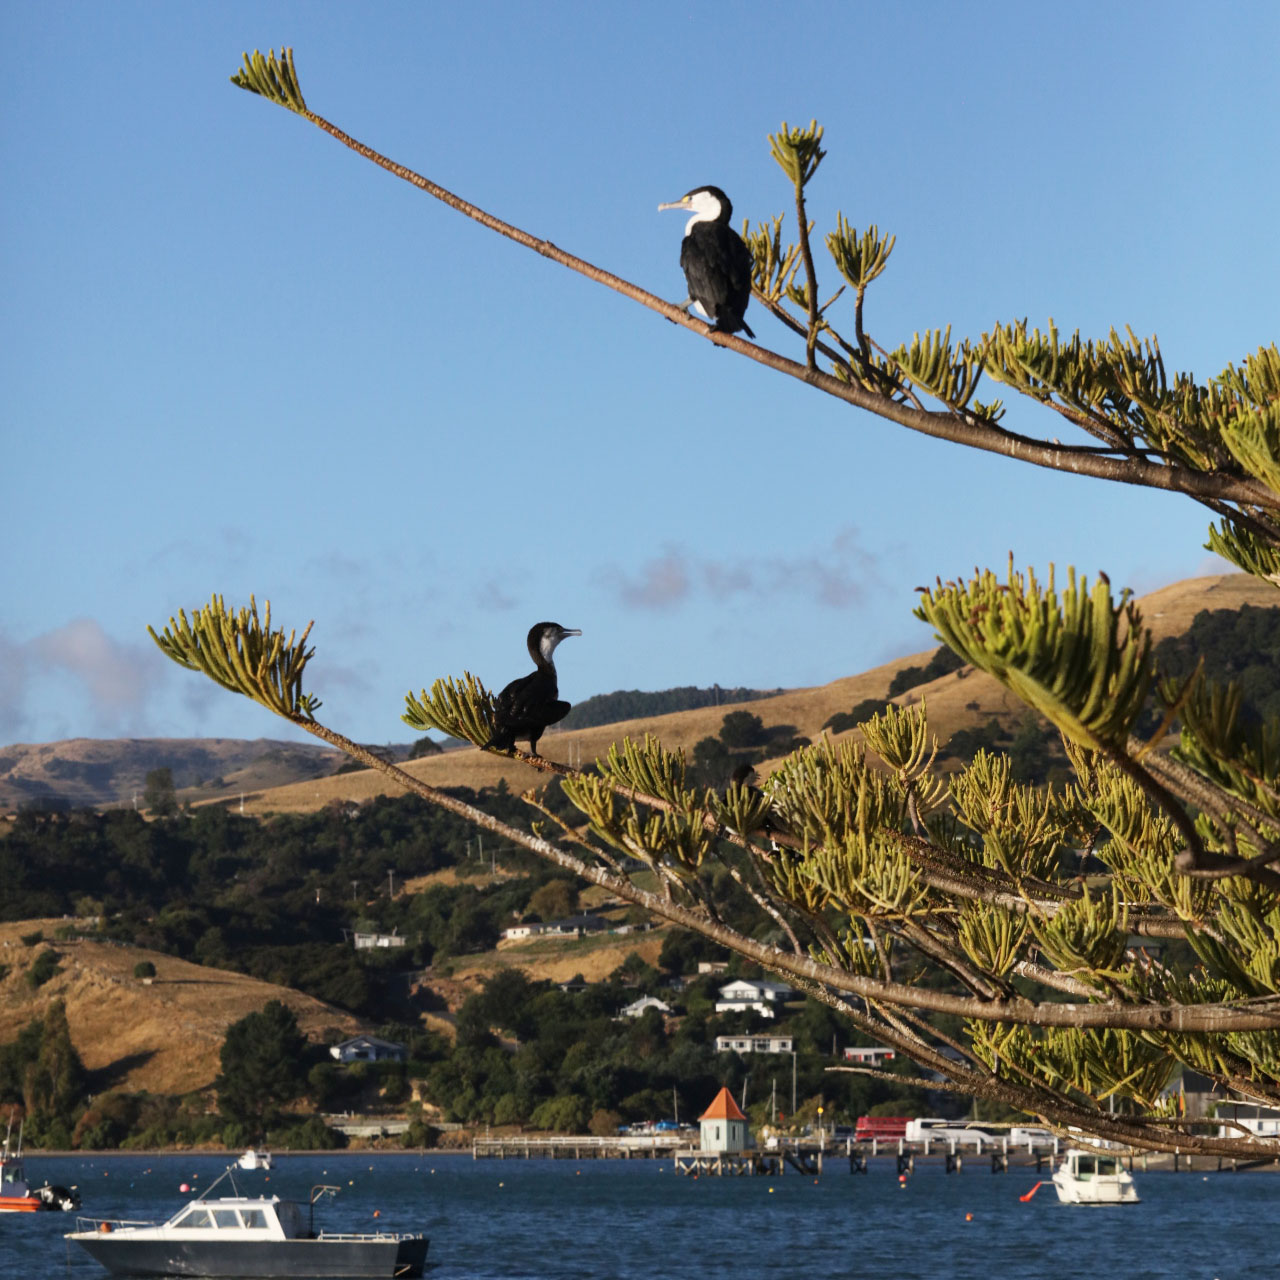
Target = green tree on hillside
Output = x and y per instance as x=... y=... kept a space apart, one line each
x=53 y=1085
x=264 y=1068
x=931 y=911
x=158 y=794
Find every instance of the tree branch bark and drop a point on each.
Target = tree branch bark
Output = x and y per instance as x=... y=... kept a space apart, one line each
x=1202 y=486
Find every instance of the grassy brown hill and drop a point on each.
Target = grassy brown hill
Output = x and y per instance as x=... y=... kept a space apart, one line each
x=960 y=700
x=109 y=771
x=164 y=1037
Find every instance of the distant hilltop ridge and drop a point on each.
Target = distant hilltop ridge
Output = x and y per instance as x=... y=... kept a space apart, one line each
x=278 y=776
x=112 y=771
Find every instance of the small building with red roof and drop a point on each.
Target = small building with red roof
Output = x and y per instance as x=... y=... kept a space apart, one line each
x=723 y=1126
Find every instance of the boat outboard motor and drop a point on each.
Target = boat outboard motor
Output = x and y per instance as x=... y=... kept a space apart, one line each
x=64 y=1198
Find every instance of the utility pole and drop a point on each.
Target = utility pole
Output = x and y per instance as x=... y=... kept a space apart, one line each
x=793 y=1083
x=391 y=882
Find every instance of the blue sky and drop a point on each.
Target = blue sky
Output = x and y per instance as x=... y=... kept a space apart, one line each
x=236 y=357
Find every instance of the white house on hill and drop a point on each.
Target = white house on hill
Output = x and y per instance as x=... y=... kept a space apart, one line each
x=755 y=994
x=367 y=1049
x=372 y=941
x=638 y=1007
x=754 y=1044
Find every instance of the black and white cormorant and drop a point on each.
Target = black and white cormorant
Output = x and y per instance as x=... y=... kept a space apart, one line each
x=716 y=262
x=526 y=706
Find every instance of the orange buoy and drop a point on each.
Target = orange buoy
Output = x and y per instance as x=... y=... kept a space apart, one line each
x=968 y=1217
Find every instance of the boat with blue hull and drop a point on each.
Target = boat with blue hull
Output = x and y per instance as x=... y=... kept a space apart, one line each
x=236 y=1237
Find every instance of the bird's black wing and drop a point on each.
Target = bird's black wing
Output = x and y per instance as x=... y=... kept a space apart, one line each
x=740 y=265
x=717 y=266
x=524 y=705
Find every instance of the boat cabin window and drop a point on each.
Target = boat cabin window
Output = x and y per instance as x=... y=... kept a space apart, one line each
x=253 y=1218
x=196 y=1216
x=1108 y=1166
x=226 y=1218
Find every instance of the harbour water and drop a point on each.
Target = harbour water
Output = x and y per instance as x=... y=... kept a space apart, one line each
x=635 y=1220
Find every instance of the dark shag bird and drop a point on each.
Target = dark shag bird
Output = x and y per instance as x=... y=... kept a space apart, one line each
x=716 y=262
x=526 y=706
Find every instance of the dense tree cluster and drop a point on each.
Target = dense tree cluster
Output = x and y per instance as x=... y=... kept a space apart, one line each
x=273 y=898
x=941 y=664
x=1240 y=645
x=744 y=739
x=635 y=704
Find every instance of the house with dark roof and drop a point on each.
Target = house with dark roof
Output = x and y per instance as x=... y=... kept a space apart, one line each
x=368 y=1049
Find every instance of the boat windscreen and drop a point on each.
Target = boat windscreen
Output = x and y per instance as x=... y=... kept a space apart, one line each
x=196 y=1216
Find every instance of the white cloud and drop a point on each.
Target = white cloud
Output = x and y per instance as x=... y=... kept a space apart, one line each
x=114 y=683
x=836 y=576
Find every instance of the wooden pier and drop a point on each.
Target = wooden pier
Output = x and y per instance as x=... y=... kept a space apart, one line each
x=809 y=1156
x=696 y=1163
x=623 y=1147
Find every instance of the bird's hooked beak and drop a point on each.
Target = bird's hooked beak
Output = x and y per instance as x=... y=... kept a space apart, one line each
x=682 y=203
x=552 y=638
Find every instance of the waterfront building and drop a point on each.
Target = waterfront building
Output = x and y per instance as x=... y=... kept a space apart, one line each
x=723 y=1126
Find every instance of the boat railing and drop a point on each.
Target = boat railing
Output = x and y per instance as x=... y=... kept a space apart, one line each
x=109 y=1224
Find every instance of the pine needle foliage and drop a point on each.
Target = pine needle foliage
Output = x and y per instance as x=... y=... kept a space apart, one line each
x=1082 y=661
x=462 y=709
x=240 y=651
x=273 y=78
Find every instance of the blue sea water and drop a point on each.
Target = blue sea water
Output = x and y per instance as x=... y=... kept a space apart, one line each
x=636 y=1220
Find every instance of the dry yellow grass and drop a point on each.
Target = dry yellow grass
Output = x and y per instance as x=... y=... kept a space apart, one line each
x=164 y=1037
x=558 y=960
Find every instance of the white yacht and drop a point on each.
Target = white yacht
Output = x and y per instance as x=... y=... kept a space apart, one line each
x=1093 y=1177
x=247 y=1236
x=254 y=1159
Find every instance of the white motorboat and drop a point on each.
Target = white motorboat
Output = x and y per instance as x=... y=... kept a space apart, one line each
x=254 y=1159
x=1093 y=1177
x=247 y=1236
